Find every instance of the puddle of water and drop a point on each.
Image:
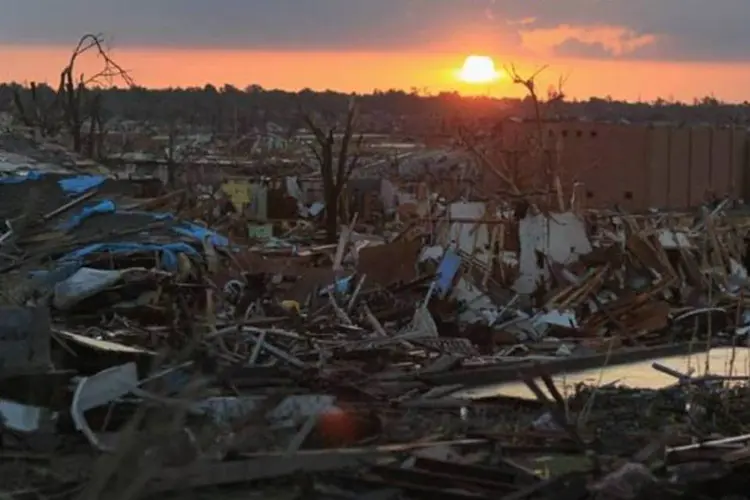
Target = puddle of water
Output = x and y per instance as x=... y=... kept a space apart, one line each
x=639 y=374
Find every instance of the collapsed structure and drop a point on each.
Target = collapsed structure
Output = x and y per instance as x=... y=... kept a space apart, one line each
x=204 y=335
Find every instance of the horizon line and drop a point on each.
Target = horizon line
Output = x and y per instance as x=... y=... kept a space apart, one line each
x=374 y=93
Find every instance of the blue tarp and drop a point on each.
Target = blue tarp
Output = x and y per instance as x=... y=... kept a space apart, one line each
x=103 y=207
x=81 y=183
x=44 y=281
x=446 y=271
x=184 y=228
x=168 y=251
x=201 y=233
x=153 y=215
x=71 y=185
x=341 y=286
x=17 y=179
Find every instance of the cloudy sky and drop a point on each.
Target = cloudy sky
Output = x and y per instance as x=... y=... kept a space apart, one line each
x=695 y=42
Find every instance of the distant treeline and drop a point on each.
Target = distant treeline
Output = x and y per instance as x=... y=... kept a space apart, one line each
x=229 y=109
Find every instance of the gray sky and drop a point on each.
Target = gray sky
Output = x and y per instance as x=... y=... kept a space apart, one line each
x=701 y=30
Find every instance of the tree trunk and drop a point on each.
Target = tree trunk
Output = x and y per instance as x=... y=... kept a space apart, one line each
x=77 y=141
x=334 y=174
x=332 y=217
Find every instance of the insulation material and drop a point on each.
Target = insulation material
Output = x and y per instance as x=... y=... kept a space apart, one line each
x=560 y=238
x=470 y=238
x=388 y=196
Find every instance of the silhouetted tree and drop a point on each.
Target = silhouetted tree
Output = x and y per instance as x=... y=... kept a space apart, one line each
x=383 y=111
x=74 y=103
x=337 y=159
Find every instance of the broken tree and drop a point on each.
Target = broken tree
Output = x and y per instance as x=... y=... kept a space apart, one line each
x=74 y=103
x=337 y=162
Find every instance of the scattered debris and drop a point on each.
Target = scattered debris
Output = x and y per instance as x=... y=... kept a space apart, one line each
x=153 y=345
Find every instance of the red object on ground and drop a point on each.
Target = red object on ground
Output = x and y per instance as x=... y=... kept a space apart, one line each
x=338 y=427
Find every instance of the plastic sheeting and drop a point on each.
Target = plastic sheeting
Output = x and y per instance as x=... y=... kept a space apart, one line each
x=201 y=233
x=85 y=283
x=168 y=252
x=103 y=207
x=17 y=179
x=81 y=184
x=72 y=262
x=447 y=271
x=43 y=281
x=341 y=286
x=184 y=228
x=75 y=185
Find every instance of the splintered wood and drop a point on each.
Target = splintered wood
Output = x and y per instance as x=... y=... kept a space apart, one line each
x=629 y=285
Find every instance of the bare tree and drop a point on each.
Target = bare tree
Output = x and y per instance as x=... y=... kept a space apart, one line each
x=337 y=160
x=74 y=103
x=541 y=108
x=539 y=184
x=37 y=113
x=541 y=152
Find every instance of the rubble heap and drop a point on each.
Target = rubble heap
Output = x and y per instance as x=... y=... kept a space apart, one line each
x=147 y=354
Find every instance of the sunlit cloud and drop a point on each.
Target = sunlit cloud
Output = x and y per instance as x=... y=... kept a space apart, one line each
x=524 y=21
x=615 y=41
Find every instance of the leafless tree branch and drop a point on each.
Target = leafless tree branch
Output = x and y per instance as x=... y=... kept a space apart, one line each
x=73 y=101
x=336 y=163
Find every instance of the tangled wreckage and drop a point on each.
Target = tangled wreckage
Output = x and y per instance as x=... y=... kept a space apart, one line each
x=147 y=352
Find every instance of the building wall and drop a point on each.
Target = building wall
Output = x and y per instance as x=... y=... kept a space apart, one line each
x=638 y=167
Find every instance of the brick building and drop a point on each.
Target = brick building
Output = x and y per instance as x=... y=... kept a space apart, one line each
x=634 y=166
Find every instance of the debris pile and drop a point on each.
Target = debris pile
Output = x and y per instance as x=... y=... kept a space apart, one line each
x=147 y=353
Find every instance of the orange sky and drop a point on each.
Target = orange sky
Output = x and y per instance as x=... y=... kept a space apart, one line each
x=363 y=72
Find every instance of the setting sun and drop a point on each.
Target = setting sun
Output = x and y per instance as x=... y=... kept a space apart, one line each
x=478 y=69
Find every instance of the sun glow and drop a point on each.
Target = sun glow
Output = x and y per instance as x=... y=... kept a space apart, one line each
x=478 y=69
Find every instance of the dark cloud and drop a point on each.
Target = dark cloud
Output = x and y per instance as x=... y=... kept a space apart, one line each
x=685 y=29
x=278 y=24
x=572 y=47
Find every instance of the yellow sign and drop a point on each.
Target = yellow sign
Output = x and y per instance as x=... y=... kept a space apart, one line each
x=239 y=193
